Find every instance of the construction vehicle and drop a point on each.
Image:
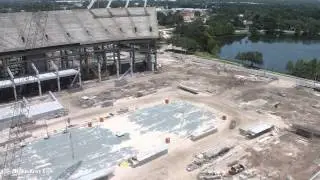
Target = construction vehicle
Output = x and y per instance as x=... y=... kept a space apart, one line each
x=236 y=169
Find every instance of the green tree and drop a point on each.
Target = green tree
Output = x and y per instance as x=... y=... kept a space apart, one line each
x=254 y=31
x=185 y=42
x=312 y=67
x=169 y=19
x=196 y=31
x=290 y=67
x=213 y=47
x=197 y=13
x=297 y=31
x=254 y=57
x=161 y=18
x=309 y=69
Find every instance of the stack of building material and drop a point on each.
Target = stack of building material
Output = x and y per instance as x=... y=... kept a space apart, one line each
x=188 y=89
x=213 y=153
x=123 y=110
x=203 y=133
x=147 y=156
x=86 y=101
x=107 y=103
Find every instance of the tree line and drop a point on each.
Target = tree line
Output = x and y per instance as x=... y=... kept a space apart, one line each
x=201 y=35
x=302 y=19
x=309 y=69
x=169 y=19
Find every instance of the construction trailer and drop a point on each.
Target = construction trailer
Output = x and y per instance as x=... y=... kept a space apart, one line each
x=255 y=130
x=52 y=50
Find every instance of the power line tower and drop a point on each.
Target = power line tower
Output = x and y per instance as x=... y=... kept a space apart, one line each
x=17 y=133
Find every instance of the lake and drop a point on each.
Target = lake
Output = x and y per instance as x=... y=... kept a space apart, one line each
x=276 y=51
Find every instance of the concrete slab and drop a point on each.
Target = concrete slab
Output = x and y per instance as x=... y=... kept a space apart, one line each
x=178 y=117
x=97 y=148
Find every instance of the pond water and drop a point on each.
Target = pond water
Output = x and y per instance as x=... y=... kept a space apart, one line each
x=276 y=51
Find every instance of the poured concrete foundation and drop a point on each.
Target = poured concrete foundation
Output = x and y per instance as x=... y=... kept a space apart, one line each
x=96 y=148
x=181 y=118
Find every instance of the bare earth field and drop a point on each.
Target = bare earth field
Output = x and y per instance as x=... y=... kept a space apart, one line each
x=223 y=90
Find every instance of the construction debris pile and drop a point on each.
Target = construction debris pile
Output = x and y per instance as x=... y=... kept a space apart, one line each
x=206 y=157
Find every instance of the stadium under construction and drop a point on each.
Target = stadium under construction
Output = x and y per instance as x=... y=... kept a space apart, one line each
x=74 y=105
x=52 y=50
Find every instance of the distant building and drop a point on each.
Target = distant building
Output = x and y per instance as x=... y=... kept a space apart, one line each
x=188 y=16
x=247 y=23
x=77 y=3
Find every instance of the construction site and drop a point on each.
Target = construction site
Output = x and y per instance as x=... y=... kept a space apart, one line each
x=93 y=94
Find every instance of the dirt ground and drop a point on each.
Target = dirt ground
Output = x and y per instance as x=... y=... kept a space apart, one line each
x=230 y=91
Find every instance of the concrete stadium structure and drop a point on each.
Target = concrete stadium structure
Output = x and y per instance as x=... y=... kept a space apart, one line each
x=67 y=46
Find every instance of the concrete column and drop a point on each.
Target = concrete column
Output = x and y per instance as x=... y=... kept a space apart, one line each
x=127 y=4
x=99 y=71
x=15 y=92
x=119 y=60
x=130 y=63
x=149 y=60
x=131 y=60
x=155 y=60
x=46 y=66
x=152 y=65
x=37 y=75
x=109 y=3
x=86 y=61
x=25 y=101
x=66 y=59
x=13 y=84
x=80 y=82
x=57 y=73
x=116 y=60
x=61 y=60
x=39 y=87
x=104 y=57
x=58 y=81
